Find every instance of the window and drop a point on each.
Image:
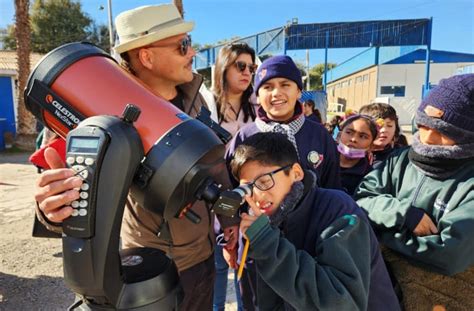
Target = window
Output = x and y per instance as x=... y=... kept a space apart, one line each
x=358 y=79
x=397 y=91
x=366 y=77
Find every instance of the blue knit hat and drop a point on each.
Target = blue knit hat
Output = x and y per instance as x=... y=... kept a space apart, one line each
x=280 y=66
x=449 y=108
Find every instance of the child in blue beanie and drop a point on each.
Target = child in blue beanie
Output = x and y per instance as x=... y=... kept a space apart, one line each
x=313 y=248
x=421 y=202
x=278 y=86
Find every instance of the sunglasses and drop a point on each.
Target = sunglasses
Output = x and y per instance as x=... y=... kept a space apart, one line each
x=241 y=66
x=184 y=45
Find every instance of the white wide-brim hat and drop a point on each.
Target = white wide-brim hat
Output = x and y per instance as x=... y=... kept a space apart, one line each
x=147 y=24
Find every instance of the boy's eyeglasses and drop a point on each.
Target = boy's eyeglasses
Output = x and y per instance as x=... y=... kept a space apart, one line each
x=241 y=66
x=184 y=45
x=266 y=182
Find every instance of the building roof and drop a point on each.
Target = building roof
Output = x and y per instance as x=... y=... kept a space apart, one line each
x=8 y=61
x=394 y=55
x=435 y=57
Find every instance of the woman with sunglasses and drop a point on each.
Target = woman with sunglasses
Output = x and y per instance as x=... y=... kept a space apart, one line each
x=233 y=74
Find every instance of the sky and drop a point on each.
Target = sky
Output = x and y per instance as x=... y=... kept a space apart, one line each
x=453 y=20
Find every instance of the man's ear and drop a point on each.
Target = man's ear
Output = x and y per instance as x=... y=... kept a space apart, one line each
x=298 y=172
x=145 y=58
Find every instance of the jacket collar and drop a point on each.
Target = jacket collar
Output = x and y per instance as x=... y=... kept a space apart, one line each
x=190 y=91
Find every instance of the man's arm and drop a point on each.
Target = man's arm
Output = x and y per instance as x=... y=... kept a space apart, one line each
x=336 y=278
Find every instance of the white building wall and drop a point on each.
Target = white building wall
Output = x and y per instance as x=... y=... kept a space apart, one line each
x=412 y=76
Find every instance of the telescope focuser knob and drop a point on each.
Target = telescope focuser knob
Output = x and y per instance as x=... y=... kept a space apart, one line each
x=131 y=113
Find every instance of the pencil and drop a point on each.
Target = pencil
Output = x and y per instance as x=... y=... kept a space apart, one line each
x=243 y=259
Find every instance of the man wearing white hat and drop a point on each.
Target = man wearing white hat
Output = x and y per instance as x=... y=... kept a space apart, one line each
x=155 y=47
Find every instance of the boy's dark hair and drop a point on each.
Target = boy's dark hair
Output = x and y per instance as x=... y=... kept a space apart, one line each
x=383 y=111
x=266 y=148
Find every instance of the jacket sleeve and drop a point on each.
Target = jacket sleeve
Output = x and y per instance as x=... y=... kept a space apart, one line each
x=376 y=195
x=451 y=250
x=337 y=278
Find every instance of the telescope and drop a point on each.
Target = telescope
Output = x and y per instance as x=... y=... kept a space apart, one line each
x=124 y=140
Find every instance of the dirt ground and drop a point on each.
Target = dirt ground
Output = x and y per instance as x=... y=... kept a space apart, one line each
x=31 y=275
x=30 y=268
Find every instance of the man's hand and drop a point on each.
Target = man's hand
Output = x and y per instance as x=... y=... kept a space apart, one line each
x=425 y=227
x=248 y=219
x=56 y=188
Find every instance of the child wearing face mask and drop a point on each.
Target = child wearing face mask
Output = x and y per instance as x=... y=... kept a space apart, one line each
x=355 y=139
x=421 y=201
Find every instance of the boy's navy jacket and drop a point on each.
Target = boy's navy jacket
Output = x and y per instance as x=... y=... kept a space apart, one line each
x=325 y=256
x=352 y=176
x=312 y=137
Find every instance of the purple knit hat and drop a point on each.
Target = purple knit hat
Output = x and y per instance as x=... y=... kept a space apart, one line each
x=449 y=108
x=280 y=66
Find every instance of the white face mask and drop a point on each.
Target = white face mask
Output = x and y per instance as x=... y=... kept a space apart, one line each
x=351 y=153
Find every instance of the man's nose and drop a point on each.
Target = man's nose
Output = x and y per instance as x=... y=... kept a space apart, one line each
x=191 y=51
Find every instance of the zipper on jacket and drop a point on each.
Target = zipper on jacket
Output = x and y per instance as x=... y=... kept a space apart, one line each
x=418 y=188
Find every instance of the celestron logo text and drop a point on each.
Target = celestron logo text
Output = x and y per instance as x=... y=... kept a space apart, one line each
x=63 y=113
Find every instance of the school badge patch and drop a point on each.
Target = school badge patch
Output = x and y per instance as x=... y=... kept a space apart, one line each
x=315 y=159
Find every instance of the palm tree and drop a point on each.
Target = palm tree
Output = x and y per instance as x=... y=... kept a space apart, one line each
x=26 y=127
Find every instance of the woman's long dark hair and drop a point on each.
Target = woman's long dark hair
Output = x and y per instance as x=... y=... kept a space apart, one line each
x=226 y=58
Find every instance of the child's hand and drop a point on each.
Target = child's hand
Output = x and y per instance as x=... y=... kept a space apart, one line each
x=425 y=227
x=230 y=256
x=248 y=219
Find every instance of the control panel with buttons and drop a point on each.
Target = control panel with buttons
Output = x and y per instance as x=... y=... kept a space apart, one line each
x=85 y=148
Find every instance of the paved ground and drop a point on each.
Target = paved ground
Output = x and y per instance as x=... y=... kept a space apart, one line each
x=31 y=268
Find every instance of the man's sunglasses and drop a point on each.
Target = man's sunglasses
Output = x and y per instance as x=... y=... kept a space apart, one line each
x=184 y=45
x=241 y=66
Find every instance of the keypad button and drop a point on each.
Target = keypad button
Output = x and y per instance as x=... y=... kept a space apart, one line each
x=80 y=159
x=84 y=174
x=78 y=168
x=89 y=161
x=82 y=212
x=83 y=203
x=75 y=204
x=85 y=186
x=70 y=160
x=75 y=212
x=84 y=195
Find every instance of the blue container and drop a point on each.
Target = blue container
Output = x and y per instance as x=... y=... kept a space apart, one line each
x=3 y=128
